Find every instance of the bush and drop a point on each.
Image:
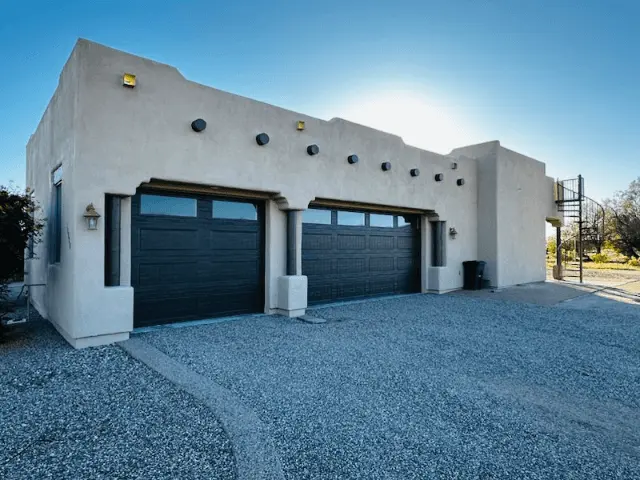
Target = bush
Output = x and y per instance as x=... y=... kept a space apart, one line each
x=600 y=258
x=18 y=224
x=634 y=262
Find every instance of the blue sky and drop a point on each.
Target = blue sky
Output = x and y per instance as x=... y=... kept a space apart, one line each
x=556 y=80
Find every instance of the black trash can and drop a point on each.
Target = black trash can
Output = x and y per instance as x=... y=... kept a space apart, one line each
x=473 y=273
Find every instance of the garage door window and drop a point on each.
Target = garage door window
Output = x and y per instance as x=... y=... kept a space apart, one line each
x=165 y=205
x=403 y=222
x=351 y=218
x=234 y=210
x=378 y=220
x=313 y=215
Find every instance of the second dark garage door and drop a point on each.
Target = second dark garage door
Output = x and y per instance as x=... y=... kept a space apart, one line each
x=195 y=257
x=349 y=254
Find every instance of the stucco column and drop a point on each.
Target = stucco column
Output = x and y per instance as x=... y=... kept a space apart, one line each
x=557 y=269
x=292 y=288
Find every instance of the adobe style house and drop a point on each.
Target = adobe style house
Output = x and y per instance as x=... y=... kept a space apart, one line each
x=211 y=204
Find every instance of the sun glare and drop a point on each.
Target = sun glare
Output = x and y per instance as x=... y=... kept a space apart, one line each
x=420 y=122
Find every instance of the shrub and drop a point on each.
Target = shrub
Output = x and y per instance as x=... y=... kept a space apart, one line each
x=634 y=262
x=18 y=223
x=600 y=258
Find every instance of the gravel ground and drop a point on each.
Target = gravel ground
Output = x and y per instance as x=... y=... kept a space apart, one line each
x=97 y=413
x=433 y=387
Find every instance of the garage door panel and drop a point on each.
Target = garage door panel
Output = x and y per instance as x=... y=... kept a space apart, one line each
x=406 y=243
x=351 y=265
x=403 y=284
x=166 y=309
x=320 y=293
x=233 y=240
x=317 y=241
x=350 y=289
x=168 y=239
x=407 y=263
x=233 y=302
x=151 y=274
x=318 y=266
x=351 y=241
x=362 y=260
x=382 y=284
x=382 y=264
x=187 y=268
x=379 y=242
x=229 y=270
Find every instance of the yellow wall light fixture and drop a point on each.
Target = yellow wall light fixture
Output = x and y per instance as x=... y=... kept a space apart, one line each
x=129 y=80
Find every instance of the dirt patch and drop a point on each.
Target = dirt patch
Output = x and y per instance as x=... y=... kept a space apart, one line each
x=604 y=276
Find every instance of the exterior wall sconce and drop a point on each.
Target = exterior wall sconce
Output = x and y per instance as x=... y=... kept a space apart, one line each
x=460 y=182
x=453 y=232
x=313 y=150
x=439 y=177
x=91 y=217
x=262 y=139
x=129 y=80
x=300 y=125
x=415 y=172
x=454 y=166
x=352 y=159
x=386 y=166
x=198 y=125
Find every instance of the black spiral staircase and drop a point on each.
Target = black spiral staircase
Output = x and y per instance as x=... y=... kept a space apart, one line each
x=583 y=224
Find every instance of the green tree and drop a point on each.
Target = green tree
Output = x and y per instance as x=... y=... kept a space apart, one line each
x=18 y=226
x=551 y=246
x=625 y=212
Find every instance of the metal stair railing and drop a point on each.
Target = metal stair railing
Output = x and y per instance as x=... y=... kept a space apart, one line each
x=585 y=213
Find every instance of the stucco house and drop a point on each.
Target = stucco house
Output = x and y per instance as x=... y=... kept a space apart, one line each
x=211 y=204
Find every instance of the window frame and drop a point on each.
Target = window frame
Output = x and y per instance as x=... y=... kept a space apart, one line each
x=55 y=235
x=230 y=201
x=364 y=218
x=392 y=216
x=112 y=240
x=181 y=197
x=329 y=211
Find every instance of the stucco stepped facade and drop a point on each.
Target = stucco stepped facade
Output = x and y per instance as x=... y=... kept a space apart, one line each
x=198 y=223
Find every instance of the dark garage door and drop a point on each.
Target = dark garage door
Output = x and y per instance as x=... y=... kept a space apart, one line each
x=195 y=257
x=348 y=254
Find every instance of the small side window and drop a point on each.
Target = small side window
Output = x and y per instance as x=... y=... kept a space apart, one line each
x=165 y=205
x=112 y=210
x=55 y=219
x=234 y=210
x=438 y=244
x=314 y=215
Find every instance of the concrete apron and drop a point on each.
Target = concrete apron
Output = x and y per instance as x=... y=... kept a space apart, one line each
x=558 y=293
x=254 y=451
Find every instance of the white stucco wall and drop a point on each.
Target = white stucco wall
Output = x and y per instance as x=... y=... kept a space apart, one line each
x=523 y=206
x=515 y=197
x=53 y=145
x=129 y=136
x=486 y=156
x=123 y=137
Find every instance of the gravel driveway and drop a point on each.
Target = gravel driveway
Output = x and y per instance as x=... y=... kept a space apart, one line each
x=97 y=413
x=432 y=386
